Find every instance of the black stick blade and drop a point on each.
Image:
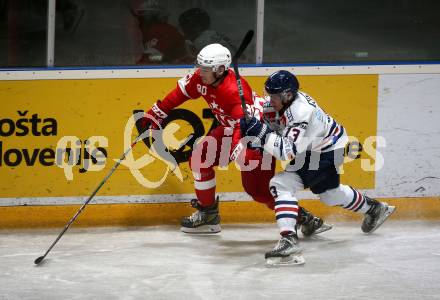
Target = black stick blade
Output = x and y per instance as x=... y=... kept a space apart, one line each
x=246 y=41
x=38 y=260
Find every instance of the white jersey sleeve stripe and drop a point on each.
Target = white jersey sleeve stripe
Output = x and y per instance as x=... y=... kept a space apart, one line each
x=335 y=139
x=332 y=128
x=182 y=83
x=280 y=147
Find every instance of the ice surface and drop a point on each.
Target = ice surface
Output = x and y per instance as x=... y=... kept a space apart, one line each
x=401 y=260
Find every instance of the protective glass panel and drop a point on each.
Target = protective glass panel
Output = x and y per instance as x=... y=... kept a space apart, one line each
x=23 y=33
x=301 y=31
x=148 y=32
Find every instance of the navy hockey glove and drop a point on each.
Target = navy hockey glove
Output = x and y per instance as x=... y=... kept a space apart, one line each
x=253 y=127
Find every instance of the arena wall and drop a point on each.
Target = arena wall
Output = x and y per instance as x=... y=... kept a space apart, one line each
x=390 y=112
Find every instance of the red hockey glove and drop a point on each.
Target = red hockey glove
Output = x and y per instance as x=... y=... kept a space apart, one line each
x=154 y=117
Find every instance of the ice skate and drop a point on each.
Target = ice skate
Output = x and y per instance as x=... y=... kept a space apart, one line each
x=286 y=252
x=204 y=220
x=377 y=214
x=312 y=225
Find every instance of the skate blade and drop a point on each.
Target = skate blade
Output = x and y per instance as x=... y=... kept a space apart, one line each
x=389 y=212
x=291 y=260
x=204 y=229
x=325 y=227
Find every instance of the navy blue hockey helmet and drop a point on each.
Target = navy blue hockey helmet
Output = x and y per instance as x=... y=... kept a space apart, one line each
x=281 y=82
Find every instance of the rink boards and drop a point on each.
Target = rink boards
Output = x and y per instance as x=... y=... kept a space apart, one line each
x=48 y=114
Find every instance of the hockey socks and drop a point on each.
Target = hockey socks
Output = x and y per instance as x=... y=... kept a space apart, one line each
x=286 y=213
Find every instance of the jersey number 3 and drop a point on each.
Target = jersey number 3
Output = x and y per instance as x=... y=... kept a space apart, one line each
x=293 y=134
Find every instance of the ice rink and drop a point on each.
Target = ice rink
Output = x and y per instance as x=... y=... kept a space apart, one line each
x=401 y=260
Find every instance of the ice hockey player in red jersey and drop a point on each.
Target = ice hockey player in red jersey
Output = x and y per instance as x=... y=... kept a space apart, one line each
x=162 y=42
x=215 y=82
x=302 y=133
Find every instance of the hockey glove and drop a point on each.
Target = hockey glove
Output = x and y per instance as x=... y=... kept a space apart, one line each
x=154 y=117
x=256 y=129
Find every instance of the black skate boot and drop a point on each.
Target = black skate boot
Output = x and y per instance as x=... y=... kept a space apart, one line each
x=310 y=224
x=204 y=220
x=376 y=215
x=286 y=251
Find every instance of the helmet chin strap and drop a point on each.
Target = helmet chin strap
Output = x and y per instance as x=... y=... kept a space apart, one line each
x=285 y=98
x=219 y=78
x=286 y=101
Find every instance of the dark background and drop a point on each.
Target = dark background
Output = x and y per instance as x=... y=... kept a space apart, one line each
x=296 y=31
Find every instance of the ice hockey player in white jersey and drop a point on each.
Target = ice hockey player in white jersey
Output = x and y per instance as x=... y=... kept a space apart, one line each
x=296 y=129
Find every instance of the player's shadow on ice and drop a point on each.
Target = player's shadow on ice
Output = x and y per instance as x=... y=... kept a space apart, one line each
x=239 y=249
x=316 y=249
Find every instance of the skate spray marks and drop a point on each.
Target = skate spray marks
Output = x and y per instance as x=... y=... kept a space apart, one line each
x=291 y=260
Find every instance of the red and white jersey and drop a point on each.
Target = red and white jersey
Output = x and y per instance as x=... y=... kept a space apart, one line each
x=303 y=126
x=223 y=100
x=163 y=43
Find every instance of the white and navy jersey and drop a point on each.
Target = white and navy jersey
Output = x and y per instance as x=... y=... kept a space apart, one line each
x=303 y=126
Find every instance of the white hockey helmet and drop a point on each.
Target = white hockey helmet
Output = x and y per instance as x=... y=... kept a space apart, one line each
x=213 y=56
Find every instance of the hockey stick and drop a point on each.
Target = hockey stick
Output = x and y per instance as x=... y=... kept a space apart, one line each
x=246 y=41
x=139 y=138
